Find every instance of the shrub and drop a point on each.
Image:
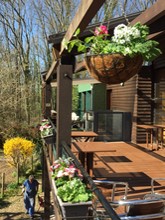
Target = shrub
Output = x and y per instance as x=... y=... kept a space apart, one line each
x=18 y=150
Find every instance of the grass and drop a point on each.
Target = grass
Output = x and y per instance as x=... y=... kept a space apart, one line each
x=4 y=203
x=1 y=152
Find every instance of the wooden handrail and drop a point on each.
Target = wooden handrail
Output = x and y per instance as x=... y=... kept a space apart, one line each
x=110 y=211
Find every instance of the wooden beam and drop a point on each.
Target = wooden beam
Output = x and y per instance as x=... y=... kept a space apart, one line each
x=55 y=39
x=157 y=34
x=151 y=14
x=84 y=15
x=51 y=70
x=55 y=53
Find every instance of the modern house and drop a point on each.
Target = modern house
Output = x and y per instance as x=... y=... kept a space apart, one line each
x=140 y=99
x=142 y=96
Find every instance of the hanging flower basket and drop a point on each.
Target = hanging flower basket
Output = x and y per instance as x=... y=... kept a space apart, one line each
x=113 y=68
x=115 y=59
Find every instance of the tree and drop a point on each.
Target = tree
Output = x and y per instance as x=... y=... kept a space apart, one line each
x=17 y=32
x=75 y=99
x=25 y=51
x=18 y=150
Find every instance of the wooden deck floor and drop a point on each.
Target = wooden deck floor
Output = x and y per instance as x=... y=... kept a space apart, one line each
x=131 y=163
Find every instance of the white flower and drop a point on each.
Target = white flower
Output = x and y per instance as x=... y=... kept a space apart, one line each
x=60 y=174
x=127 y=51
x=122 y=41
x=120 y=30
x=124 y=34
x=136 y=32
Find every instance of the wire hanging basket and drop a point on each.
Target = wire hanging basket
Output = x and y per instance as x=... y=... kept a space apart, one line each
x=113 y=68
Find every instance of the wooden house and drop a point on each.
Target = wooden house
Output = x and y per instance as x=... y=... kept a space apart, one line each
x=142 y=95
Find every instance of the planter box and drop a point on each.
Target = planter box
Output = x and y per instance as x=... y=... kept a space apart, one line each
x=73 y=211
x=49 y=139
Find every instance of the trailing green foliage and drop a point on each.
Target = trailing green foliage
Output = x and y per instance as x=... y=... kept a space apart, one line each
x=127 y=40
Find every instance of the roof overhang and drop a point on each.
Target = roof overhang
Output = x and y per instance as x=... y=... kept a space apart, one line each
x=79 y=82
x=153 y=17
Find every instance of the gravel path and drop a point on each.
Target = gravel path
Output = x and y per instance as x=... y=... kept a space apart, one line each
x=12 y=208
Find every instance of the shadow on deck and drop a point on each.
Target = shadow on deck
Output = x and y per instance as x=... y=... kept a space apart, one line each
x=133 y=164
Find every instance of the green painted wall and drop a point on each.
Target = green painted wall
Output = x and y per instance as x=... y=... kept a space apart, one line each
x=92 y=97
x=99 y=97
x=84 y=87
x=88 y=100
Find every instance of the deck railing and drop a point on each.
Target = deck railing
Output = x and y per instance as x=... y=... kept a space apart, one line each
x=108 y=207
x=66 y=151
x=110 y=211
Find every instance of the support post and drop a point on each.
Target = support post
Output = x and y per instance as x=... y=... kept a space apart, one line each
x=64 y=106
x=46 y=100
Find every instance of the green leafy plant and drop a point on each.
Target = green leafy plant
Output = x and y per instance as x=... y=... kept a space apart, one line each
x=73 y=191
x=69 y=181
x=127 y=40
x=12 y=189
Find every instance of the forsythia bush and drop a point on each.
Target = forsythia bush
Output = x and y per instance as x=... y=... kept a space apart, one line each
x=18 y=150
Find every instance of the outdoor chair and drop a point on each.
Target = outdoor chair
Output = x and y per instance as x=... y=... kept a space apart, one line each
x=141 y=209
x=151 y=207
x=114 y=188
x=154 y=193
x=113 y=191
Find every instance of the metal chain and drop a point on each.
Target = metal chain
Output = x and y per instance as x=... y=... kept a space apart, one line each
x=123 y=11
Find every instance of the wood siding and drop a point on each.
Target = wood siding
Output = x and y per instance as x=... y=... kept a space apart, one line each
x=135 y=97
x=122 y=97
x=144 y=104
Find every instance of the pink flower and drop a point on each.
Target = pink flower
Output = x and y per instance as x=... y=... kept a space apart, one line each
x=80 y=176
x=44 y=120
x=70 y=170
x=41 y=128
x=72 y=166
x=101 y=30
x=51 y=168
x=56 y=166
x=60 y=174
x=46 y=126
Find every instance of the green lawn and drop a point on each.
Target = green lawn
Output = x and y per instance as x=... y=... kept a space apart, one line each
x=1 y=152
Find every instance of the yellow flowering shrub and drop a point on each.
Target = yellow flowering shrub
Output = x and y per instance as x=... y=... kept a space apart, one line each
x=18 y=150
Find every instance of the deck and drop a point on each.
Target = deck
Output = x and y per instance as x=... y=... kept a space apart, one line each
x=131 y=163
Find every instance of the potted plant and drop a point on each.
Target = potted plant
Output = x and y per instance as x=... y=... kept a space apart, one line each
x=47 y=131
x=72 y=193
x=115 y=59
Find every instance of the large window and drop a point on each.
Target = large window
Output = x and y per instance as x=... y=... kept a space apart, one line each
x=111 y=126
